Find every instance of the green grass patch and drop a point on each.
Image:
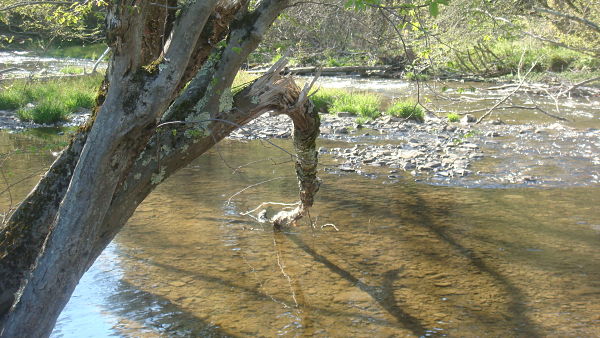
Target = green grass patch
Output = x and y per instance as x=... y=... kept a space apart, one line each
x=406 y=110
x=11 y=99
x=72 y=70
x=453 y=117
x=52 y=100
x=323 y=98
x=242 y=79
x=49 y=111
x=366 y=105
x=362 y=104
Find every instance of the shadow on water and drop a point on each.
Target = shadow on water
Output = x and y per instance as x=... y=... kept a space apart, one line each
x=160 y=314
x=516 y=308
x=385 y=299
x=136 y=307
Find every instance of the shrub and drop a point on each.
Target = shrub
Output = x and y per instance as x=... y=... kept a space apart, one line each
x=406 y=110
x=453 y=117
x=412 y=76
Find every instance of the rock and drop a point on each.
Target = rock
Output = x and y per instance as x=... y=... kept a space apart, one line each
x=468 y=118
x=469 y=145
x=408 y=154
x=345 y=114
x=347 y=168
x=408 y=166
x=341 y=131
x=496 y=122
x=430 y=165
x=492 y=134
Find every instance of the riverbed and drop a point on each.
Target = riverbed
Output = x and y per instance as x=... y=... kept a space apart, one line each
x=384 y=257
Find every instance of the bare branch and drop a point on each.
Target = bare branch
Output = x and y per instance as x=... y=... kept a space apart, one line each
x=586 y=22
x=501 y=101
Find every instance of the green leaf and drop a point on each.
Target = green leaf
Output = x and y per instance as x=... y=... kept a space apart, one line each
x=434 y=9
x=237 y=50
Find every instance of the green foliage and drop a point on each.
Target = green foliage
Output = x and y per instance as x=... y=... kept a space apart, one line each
x=412 y=76
x=453 y=117
x=406 y=110
x=434 y=9
x=45 y=21
x=52 y=100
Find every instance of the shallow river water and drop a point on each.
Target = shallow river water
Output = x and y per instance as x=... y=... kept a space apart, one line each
x=384 y=258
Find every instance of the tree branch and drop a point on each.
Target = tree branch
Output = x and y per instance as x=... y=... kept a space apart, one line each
x=586 y=22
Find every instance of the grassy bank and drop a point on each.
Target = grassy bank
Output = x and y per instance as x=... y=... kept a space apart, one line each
x=49 y=101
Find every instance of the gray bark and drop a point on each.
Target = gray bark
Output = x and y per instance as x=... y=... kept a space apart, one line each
x=112 y=165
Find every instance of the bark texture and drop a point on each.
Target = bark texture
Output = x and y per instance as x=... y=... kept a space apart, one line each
x=167 y=99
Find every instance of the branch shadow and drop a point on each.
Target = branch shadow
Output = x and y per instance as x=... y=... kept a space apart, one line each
x=161 y=314
x=385 y=299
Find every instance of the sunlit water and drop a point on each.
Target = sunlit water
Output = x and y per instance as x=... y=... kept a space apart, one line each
x=409 y=259
x=26 y=64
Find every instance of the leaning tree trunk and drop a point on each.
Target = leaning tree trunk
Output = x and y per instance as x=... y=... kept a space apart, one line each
x=167 y=100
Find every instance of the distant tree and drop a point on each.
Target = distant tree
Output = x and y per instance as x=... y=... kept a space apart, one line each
x=51 y=20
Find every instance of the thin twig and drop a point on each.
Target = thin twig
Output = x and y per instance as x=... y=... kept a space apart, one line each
x=254 y=185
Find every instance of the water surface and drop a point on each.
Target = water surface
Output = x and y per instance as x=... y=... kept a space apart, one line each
x=409 y=259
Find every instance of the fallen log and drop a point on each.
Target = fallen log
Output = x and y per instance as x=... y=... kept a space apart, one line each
x=329 y=70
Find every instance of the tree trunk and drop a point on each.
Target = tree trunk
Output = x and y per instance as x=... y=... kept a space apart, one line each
x=145 y=129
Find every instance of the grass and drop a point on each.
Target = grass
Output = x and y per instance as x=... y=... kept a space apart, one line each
x=72 y=70
x=52 y=100
x=242 y=79
x=406 y=110
x=365 y=105
x=453 y=117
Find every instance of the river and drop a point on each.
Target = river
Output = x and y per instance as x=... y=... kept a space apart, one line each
x=385 y=257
